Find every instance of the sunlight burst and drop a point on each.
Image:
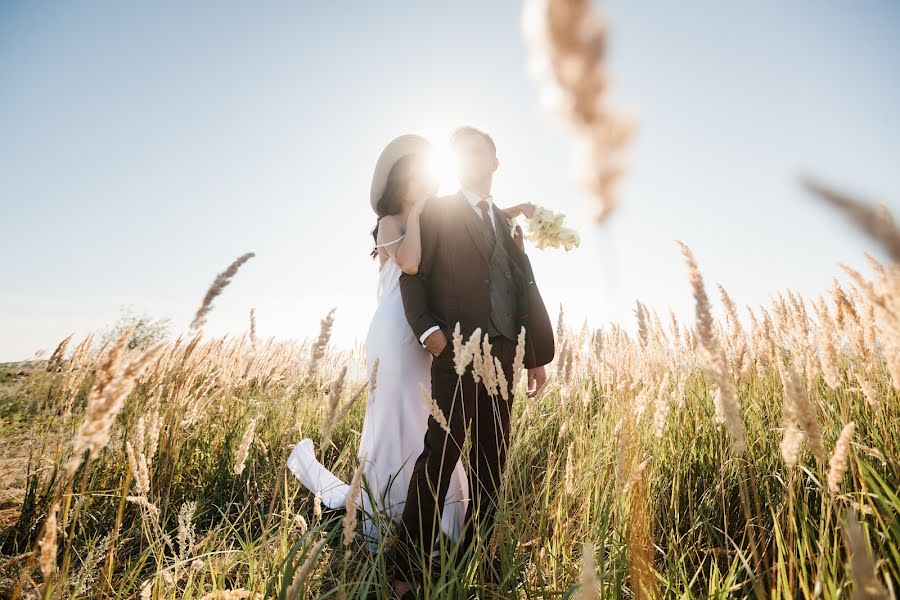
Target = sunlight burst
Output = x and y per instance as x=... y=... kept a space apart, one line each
x=443 y=167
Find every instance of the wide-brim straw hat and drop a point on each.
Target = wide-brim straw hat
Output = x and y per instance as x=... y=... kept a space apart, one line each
x=394 y=151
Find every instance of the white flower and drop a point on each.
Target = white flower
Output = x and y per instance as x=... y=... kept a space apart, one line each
x=546 y=229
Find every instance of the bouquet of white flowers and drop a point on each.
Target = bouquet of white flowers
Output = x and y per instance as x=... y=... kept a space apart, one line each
x=546 y=229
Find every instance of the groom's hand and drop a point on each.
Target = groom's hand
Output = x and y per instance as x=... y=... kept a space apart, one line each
x=436 y=342
x=537 y=377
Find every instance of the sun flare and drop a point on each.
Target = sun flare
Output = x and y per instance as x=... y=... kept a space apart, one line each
x=442 y=165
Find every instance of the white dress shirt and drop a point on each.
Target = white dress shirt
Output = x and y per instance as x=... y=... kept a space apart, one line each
x=473 y=199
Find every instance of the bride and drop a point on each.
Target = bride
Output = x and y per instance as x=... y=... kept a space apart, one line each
x=396 y=414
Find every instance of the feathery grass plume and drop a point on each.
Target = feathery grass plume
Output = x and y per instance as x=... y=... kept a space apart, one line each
x=140 y=471
x=519 y=359
x=804 y=410
x=589 y=588
x=636 y=474
x=877 y=223
x=318 y=348
x=839 y=461
x=434 y=409
x=341 y=414
x=870 y=393
x=718 y=406
x=663 y=404
x=186 y=538
x=298 y=585
x=334 y=398
x=240 y=459
x=253 y=327
x=56 y=359
x=675 y=328
x=561 y=363
x=570 y=469
x=235 y=594
x=115 y=380
x=458 y=350
x=143 y=502
x=714 y=355
x=352 y=498
x=463 y=352
x=640 y=312
x=301 y=523
x=703 y=310
x=317 y=506
x=373 y=378
x=568 y=46
x=866 y=585
x=477 y=357
x=488 y=372
x=791 y=437
x=47 y=544
x=560 y=326
x=218 y=285
x=829 y=346
x=881 y=298
x=502 y=384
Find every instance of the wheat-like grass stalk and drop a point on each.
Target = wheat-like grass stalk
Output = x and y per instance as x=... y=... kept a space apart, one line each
x=589 y=588
x=352 y=499
x=434 y=409
x=218 y=286
x=502 y=384
x=714 y=355
x=321 y=344
x=663 y=404
x=373 y=379
x=840 y=458
x=240 y=459
x=298 y=585
x=232 y=594
x=877 y=223
x=568 y=48
x=186 y=535
x=330 y=420
x=56 y=359
x=114 y=382
x=47 y=545
x=519 y=358
x=866 y=585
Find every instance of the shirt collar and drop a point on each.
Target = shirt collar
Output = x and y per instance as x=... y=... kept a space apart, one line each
x=474 y=199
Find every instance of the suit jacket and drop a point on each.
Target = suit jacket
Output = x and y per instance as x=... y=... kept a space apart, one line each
x=452 y=283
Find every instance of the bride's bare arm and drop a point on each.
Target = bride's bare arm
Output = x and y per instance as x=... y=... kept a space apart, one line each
x=409 y=252
x=406 y=252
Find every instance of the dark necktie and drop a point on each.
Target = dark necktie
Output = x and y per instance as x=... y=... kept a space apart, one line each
x=486 y=218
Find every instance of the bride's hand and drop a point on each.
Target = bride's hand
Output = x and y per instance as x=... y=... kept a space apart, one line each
x=526 y=208
x=419 y=206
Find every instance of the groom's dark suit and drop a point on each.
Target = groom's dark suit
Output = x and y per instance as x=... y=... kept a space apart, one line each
x=453 y=284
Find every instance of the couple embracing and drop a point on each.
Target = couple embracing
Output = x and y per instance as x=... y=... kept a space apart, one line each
x=443 y=261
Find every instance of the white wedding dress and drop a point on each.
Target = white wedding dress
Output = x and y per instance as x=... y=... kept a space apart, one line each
x=393 y=427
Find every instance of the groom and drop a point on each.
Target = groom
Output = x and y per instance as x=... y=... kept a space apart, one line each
x=472 y=271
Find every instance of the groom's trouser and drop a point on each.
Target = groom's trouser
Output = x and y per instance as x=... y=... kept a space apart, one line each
x=464 y=404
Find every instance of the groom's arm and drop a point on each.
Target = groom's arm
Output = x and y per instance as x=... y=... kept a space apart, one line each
x=539 y=341
x=413 y=287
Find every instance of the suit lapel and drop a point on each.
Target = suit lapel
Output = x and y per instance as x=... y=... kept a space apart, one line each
x=475 y=227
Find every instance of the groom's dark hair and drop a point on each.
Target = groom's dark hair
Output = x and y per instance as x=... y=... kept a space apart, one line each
x=466 y=131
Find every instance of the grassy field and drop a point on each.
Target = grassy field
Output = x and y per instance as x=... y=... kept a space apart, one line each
x=699 y=459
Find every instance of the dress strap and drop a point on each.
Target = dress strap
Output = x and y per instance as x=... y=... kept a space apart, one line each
x=389 y=243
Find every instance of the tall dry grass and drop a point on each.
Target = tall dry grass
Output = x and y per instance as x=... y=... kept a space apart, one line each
x=750 y=455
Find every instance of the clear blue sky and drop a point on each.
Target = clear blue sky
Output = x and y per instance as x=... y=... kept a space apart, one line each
x=144 y=146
